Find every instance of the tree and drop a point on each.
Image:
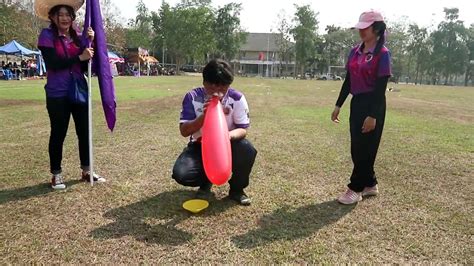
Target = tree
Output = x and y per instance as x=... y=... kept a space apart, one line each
x=336 y=46
x=188 y=27
x=397 y=42
x=139 y=33
x=195 y=3
x=449 y=46
x=17 y=23
x=417 y=46
x=305 y=35
x=113 y=27
x=229 y=35
x=283 y=41
x=163 y=25
x=470 y=46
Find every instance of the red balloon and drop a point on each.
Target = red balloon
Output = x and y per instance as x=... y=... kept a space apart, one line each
x=216 y=151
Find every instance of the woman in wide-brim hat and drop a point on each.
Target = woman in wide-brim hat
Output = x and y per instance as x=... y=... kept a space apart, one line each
x=66 y=57
x=368 y=71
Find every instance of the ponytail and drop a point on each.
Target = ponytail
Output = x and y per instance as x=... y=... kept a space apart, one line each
x=379 y=27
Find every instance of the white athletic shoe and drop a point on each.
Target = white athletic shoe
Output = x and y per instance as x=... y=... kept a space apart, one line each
x=57 y=182
x=97 y=178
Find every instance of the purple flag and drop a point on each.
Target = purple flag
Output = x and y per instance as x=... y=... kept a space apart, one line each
x=100 y=63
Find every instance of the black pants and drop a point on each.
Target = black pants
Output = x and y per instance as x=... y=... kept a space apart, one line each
x=364 y=146
x=188 y=169
x=60 y=110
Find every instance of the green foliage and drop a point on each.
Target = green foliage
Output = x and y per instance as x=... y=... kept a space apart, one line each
x=18 y=24
x=139 y=32
x=283 y=41
x=336 y=46
x=470 y=47
x=417 y=46
x=228 y=34
x=192 y=31
x=185 y=30
x=449 y=46
x=305 y=35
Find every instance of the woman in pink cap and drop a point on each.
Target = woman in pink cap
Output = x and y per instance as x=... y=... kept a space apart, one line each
x=368 y=71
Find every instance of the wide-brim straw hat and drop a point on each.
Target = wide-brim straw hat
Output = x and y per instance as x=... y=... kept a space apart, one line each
x=42 y=7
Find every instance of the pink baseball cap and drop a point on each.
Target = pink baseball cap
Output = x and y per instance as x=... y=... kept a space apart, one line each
x=368 y=18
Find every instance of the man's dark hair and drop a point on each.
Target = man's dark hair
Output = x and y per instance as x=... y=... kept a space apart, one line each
x=218 y=72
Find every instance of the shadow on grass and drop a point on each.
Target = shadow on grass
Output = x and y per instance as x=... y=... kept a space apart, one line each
x=154 y=220
x=24 y=193
x=290 y=224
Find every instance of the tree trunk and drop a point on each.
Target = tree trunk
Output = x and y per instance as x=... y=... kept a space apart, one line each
x=179 y=62
x=408 y=71
x=417 y=72
x=467 y=75
x=280 y=69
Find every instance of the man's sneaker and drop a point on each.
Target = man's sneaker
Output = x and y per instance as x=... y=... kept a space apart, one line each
x=370 y=191
x=57 y=182
x=240 y=197
x=86 y=176
x=350 y=197
x=204 y=192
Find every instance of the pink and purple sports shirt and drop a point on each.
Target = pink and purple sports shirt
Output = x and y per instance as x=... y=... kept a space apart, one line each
x=365 y=68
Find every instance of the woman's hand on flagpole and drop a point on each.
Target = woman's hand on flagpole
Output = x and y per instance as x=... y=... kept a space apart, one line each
x=90 y=34
x=87 y=54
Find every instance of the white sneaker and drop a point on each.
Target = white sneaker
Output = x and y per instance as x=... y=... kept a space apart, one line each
x=57 y=182
x=370 y=191
x=350 y=197
x=97 y=178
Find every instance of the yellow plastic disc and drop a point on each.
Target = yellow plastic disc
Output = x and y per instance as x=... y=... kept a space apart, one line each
x=195 y=205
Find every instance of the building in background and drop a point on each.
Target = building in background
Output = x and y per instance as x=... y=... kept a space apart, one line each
x=260 y=56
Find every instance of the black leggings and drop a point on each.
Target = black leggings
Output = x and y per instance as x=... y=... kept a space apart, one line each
x=60 y=110
x=364 y=146
x=189 y=170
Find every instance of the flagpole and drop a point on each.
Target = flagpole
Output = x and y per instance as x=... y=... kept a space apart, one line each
x=102 y=68
x=91 y=153
x=89 y=78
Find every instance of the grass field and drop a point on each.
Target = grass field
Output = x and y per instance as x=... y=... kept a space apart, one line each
x=425 y=168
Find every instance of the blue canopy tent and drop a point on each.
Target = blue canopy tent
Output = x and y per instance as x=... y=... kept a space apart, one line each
x=14 y=48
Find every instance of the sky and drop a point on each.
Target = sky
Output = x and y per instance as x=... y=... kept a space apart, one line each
x=261 y=15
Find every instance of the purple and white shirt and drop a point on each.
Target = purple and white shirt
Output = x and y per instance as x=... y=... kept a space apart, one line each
x=234 y=104
x=365 y=68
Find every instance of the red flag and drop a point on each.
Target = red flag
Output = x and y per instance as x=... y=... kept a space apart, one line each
x=261 y=56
